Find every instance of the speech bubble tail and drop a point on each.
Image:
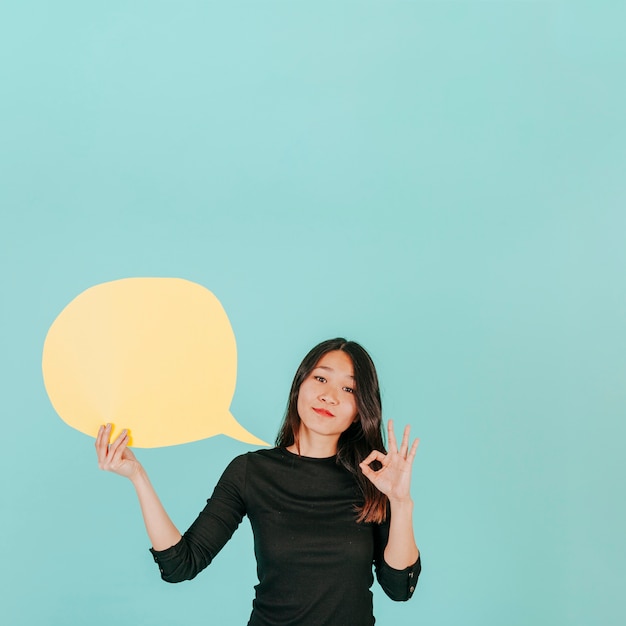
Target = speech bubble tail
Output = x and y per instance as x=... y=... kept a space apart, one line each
x=237 y=431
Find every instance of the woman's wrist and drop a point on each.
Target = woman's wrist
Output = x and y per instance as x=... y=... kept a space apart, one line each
x=139 y=478
x=401 y=503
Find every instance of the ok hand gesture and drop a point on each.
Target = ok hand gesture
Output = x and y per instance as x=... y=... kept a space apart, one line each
x=394 y=477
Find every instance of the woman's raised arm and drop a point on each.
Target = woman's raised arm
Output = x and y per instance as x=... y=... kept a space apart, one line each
x=394 y=480
x=119 y=459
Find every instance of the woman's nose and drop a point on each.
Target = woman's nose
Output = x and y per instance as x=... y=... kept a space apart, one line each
x=330 y=397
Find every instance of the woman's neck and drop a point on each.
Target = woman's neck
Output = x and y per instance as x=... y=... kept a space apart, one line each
x=314 y=447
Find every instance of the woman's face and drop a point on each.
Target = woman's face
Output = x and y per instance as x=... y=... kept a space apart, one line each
x=326 y=399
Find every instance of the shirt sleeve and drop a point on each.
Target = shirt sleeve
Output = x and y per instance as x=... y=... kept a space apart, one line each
x=213 y=527
x=398 y=584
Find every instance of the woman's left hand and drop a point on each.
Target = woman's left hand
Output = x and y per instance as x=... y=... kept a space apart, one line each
x=394 y=477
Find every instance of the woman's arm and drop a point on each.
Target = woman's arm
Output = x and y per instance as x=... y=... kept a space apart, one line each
x=401 y=550
x=118 y=458
x=394 y=480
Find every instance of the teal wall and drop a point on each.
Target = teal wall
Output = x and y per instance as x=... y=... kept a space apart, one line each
x=443 y=182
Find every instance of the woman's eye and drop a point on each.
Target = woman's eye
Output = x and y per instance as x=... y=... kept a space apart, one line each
x=320 y=379
x=348 y=389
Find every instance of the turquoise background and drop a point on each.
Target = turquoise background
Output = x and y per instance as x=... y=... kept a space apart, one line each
x=443 y=182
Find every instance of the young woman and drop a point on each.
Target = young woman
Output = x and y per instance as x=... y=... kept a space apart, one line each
x=325 y=504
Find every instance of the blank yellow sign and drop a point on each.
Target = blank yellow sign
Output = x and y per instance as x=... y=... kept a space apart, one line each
x=154 y=355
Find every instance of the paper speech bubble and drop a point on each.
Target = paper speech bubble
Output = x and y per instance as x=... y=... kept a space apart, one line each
x=154 y=355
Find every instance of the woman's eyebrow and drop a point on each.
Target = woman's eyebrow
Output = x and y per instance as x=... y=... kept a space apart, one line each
x=330 y=369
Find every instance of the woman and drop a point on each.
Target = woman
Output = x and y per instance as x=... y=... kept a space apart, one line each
x=324 y=505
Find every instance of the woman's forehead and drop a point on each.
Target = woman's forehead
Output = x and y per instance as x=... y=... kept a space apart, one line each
x=337 y=361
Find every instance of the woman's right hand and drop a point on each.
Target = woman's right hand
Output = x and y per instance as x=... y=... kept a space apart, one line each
x=116 y=457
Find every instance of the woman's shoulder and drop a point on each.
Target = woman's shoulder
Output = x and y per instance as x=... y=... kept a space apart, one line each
x=263 y=456
x=265 y=452
x=254 y=464
x=255 y=457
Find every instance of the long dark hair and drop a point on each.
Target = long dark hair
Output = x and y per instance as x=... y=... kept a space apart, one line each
x=363 y=436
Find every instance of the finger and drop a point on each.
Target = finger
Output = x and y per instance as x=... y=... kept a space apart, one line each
x=368 y=472
x=391 y=437
x=413 y=451
x=106 y=435
x=116 y=444
x=121 y=441
x=102 y=441
x=404 y=446
x=374 y=455
x=98 y=442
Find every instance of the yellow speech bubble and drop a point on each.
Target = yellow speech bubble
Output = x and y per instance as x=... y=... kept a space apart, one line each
x=154 y=355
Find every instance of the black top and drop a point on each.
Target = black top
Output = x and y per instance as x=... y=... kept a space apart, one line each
x=314 y=561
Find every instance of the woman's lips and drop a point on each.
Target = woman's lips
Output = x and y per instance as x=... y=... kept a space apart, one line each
x=323 y=412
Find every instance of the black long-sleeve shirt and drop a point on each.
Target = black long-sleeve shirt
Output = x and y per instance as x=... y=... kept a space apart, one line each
x=314 y=561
